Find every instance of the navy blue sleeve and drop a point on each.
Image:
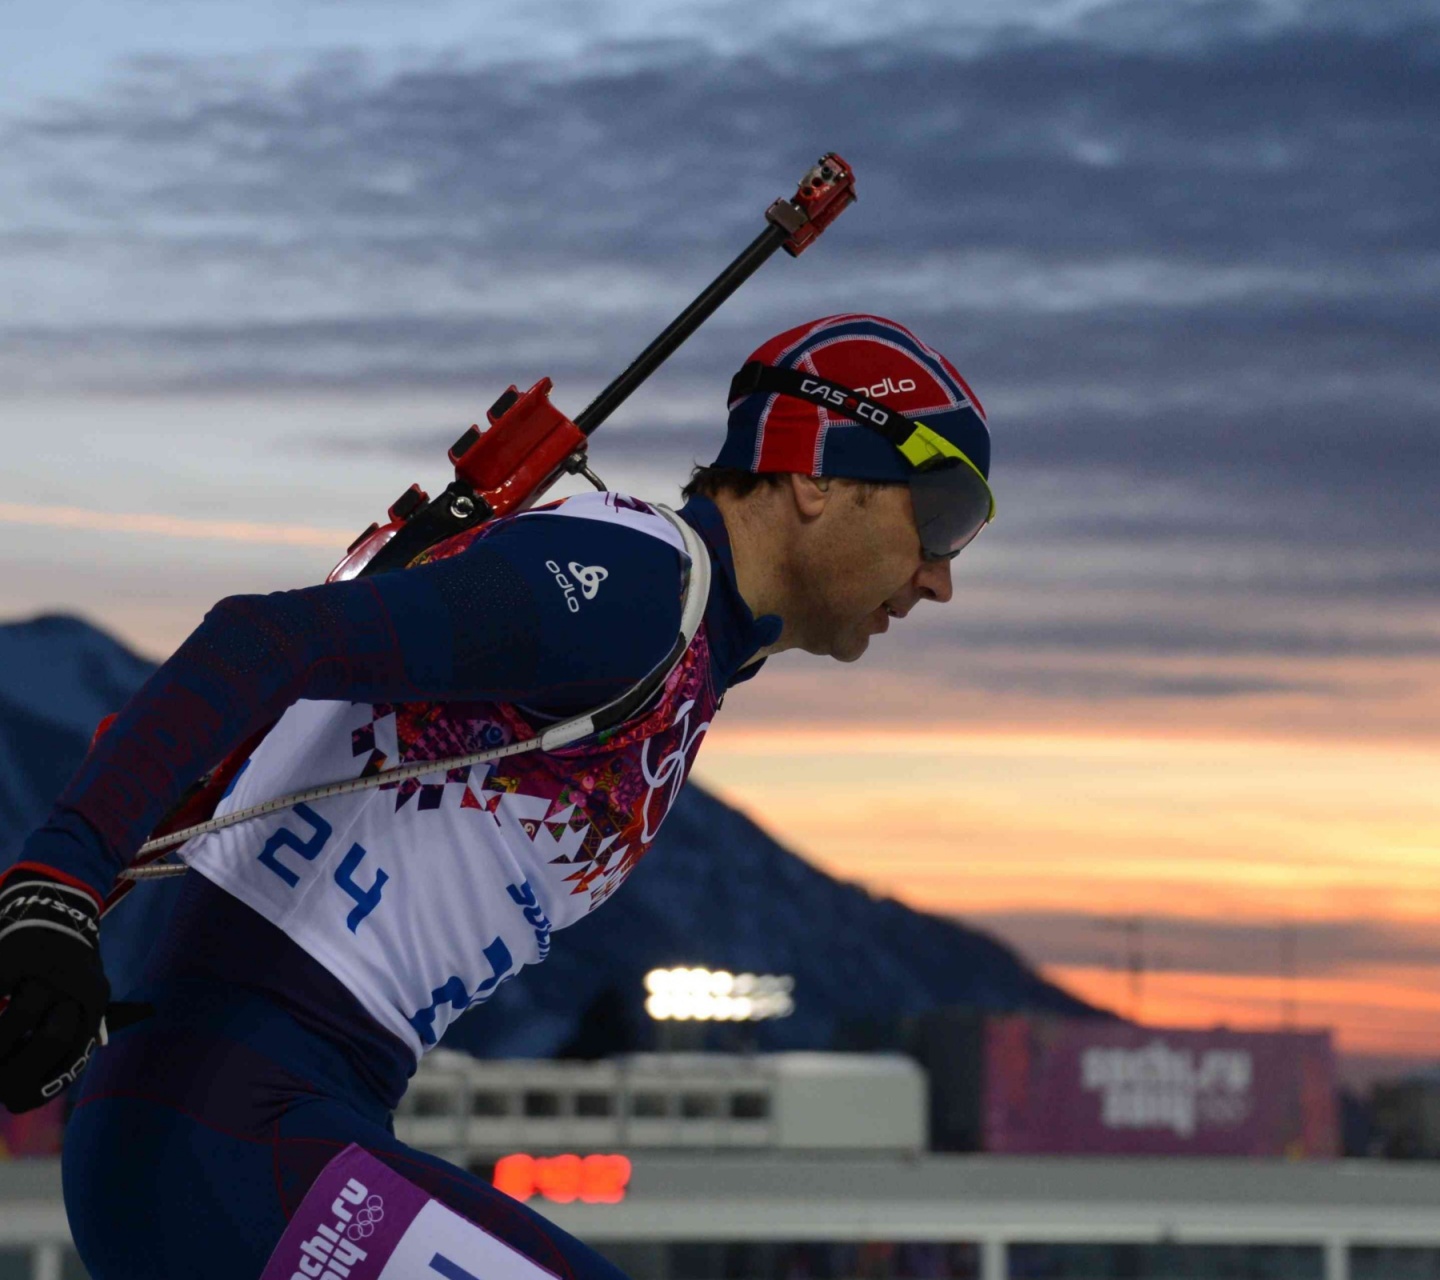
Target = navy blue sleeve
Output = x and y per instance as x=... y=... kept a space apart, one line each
x=556 y=613
x=605 y=602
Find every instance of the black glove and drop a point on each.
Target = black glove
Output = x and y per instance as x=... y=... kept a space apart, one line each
x=50 y=971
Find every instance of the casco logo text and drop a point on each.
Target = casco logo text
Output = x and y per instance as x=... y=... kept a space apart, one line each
x=859 y=409
x=887 y=388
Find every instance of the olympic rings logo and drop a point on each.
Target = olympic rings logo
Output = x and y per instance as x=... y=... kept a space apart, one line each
x=365 y=1219
x=670 y=771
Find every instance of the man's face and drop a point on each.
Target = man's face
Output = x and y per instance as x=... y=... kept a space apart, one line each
x=862 y=569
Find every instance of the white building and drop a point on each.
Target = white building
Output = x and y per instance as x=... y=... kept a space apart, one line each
x=466 y=1110
x=812 y=1165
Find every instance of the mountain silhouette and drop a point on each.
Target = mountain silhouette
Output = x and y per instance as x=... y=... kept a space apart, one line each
x=714 y=890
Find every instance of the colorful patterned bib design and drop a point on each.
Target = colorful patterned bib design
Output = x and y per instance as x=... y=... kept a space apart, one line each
x=423 y=896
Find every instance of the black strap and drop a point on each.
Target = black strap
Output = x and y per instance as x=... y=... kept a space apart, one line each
x=454 y=511
x=755 y=377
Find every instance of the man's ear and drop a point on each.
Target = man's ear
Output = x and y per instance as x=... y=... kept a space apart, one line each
x=811 y=494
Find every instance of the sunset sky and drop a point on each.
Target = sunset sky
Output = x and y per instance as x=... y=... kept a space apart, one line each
x=264 y=261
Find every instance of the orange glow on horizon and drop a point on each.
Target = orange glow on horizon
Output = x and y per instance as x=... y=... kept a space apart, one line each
x=1232 y=830
x=1374 y=1010
x=1021 y=821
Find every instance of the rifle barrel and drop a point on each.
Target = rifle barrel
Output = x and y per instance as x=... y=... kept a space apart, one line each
x=681 y=328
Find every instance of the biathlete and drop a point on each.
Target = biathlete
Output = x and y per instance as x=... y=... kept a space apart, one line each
x=316 y=953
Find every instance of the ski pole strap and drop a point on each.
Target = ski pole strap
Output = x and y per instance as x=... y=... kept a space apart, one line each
x=603 y=718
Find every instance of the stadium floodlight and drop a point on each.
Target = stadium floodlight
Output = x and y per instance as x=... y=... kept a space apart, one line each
x=715 y=995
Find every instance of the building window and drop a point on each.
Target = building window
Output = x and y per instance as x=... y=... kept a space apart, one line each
x=750 y=1106
x=820 y=1260
x=1166 y=1260
x=1394 y=1262
x=486 y=1102
x=649 y=1106
x=594 y=1105
x=542 y=1103
x=15 y=1264
x=699 y=1106
x=432 y=1102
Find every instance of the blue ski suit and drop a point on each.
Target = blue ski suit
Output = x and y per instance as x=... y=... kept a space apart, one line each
x=197 y=1131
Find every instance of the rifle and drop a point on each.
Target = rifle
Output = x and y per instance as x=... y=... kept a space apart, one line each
x=527 y=445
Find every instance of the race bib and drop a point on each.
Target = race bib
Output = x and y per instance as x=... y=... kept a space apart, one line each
x=362 y=1221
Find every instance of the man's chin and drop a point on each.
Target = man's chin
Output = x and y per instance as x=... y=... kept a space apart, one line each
x=844 y=647
x=852 y=650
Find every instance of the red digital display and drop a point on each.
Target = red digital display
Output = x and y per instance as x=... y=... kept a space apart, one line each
x=589 y=1179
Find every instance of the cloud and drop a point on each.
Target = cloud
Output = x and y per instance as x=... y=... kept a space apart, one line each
x=1187 y=254
x=1061 y=682
x=1275 y=146
x=1172 y=635
x=1055 y=143
x=1204 y=239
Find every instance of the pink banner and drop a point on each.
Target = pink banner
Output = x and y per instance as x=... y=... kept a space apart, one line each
x=1073 y=1086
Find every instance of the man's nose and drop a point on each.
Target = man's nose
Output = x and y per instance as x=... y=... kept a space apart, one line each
x=932 y=581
